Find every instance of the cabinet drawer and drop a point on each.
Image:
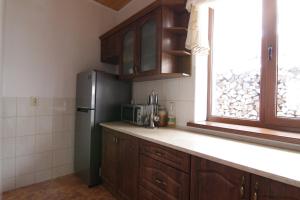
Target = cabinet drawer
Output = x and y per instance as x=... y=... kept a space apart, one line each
x=163 y=181
x=146 y=195
x=166 y=155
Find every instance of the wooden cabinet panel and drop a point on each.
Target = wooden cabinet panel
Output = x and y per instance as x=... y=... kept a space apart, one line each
x=128 y=53
x=147 y=195
x=120 y=165
x=110 y=49
x=212 y=181
x=266 y=189
x=128 y=167
x=163 y=181
x=176 y=159
x=149 y=37
x=109 y=159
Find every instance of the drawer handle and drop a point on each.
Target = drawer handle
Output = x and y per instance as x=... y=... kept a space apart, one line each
x=160 y=182
x=255 y=196
x=159 y=153
x=242 y=189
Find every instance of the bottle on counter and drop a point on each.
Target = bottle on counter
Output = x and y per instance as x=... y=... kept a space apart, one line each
x=172 y=116
x=163 y=116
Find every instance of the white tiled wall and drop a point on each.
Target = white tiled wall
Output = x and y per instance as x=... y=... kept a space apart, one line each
x=180 y=91
x=37 y=141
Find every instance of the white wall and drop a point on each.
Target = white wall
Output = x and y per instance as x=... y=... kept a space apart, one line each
x=130 y=9
x=46 y=43
x=2 y=2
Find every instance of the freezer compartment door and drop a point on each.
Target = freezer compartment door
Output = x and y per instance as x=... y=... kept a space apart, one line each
x=83 y=141
x=86 y=90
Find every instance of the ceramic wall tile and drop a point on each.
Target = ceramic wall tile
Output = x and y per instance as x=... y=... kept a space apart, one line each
x=8 y=148
x=8 y=168
x=42 y=176
x=26 y=126
x=43 y=161
x=62 y=170
x=25 y=145
x=45 y=106
x=171 y=88
x=37 y=140
x=9 y=106
x=179 y=91
x=25 y=180
x=62 y=140
x=26 y=107
x=58 y=123
x=184 y=112
x=62 y=157
x=59 y=106
x=186 y=89
x=69 y=123
x=25 y=165
x=9 y=127
x=70 y=106
x=9 y=184
x=44 y=124
x=43 y=143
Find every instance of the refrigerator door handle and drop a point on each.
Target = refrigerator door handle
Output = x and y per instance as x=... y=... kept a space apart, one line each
x=86 y=110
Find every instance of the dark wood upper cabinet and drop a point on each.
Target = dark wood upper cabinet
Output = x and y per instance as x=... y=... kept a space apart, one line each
x=152 y=43
x=212 y=181
x=148 y=43
x=120 y=164
x=266 y=189
x=110 y=49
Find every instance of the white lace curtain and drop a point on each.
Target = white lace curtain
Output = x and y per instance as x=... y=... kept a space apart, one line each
x=197 y=37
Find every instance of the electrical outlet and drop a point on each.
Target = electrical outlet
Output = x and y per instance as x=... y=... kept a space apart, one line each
x=34 y=101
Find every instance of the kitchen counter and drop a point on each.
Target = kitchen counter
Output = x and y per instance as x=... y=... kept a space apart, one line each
x=274 y=163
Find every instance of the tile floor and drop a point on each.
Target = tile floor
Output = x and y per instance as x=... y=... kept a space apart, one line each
x=65 y=188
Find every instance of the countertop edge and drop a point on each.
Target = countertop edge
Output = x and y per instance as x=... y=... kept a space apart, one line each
x=211 y=158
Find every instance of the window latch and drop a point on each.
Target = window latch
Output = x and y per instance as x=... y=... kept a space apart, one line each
x=270 y=52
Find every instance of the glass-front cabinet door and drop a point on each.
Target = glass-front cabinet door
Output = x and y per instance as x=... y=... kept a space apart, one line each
x=128 y=53
x=148 y=36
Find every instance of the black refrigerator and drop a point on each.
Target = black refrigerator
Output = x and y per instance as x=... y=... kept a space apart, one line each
x=99 y=96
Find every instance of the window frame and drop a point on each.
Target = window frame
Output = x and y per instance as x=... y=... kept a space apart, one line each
x=268 y=87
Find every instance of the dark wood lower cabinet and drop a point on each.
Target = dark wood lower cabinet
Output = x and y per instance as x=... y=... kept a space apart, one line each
x=109 y=158
x=120 y=164
x=212 y=181
x=163 y=181
x=137 y=170
x=266 y=189
x=128 y=168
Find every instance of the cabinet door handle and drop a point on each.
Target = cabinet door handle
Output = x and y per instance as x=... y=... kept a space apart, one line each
x=255 y=196
x=117 y=140
x=160 y=182
x=242 y=189
x=159 y=153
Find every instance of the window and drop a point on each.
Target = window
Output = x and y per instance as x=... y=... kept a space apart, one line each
x=254 y=66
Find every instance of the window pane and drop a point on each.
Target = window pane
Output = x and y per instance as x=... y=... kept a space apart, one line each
x=288 y=89
x=236 y=63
